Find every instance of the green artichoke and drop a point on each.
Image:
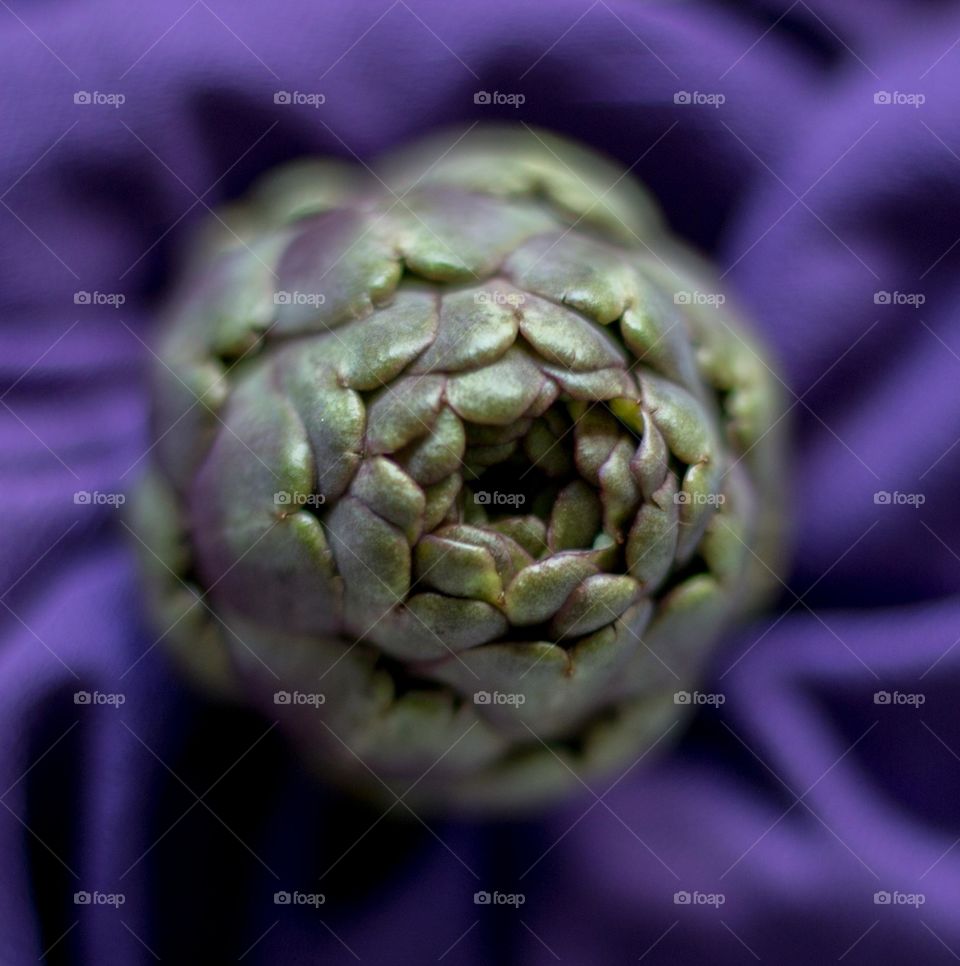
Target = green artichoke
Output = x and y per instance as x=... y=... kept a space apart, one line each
x=459 y=468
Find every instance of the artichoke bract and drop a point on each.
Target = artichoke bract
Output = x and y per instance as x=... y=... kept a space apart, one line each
x=460 y=468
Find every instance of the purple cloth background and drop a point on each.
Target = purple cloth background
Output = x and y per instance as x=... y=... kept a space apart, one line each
x=796 y=800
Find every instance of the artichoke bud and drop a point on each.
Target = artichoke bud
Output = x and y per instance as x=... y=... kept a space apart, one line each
x=459 y=479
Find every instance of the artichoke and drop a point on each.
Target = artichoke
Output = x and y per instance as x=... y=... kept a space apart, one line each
x=459 y=468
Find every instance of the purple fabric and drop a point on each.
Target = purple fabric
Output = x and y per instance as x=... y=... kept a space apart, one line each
x=799 y=797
